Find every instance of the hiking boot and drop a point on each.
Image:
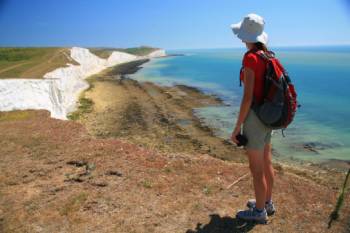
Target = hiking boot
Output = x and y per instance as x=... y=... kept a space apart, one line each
x=269 y=206
x=253 y=215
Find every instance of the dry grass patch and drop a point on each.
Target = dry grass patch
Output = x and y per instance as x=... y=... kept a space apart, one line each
x=16 y=115
x=32 y=62
x=73 y=204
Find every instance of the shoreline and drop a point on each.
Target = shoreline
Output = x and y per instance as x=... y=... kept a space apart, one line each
x=337 y=164
x=328 y=163
x=190 y=133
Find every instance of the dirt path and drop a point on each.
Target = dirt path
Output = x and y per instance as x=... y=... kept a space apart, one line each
x=13 y=66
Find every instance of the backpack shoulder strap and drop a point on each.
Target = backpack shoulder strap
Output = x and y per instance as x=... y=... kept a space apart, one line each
x=265 y=56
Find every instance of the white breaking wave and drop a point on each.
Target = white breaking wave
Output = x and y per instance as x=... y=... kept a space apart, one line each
x=59 y=90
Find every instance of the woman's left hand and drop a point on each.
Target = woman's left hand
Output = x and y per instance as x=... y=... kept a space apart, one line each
x=235 y=132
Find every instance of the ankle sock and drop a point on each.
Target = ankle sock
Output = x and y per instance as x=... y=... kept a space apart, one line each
x=268 y=202
x=259 y=210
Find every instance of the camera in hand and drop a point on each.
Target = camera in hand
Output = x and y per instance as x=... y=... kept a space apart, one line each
x=242 y=140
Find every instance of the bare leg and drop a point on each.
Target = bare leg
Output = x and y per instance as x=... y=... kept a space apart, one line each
x=256 y=165
x=268 y=171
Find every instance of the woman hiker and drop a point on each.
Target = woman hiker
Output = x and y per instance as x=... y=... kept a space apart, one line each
x=258 y=147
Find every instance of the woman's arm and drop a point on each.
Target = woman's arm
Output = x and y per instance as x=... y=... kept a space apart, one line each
x=246 y=103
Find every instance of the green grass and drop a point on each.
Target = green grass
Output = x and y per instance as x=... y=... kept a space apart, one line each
x=16 y=115
x=147 y=184
x=335 y=213
x=85 y=105
x=197 y=206
x=36 y=62
x=167 y=170
x=106 y=52
x=102 y=52
x=140 y=51
x=207 y=190
x=19 y=54
x=32 y=62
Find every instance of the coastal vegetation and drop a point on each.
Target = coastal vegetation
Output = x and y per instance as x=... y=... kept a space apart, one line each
x=340 y=201
x=139 y=51
x=15 y=115
x=85 y=105
x=32 y=62
x=35 y=62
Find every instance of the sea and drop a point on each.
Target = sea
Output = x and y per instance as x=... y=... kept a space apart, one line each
x=321 y=75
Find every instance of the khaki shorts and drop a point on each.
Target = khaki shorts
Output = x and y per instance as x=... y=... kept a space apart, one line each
x=256 y=132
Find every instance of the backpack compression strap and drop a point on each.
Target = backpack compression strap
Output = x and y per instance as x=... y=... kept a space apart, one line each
x=265 y=56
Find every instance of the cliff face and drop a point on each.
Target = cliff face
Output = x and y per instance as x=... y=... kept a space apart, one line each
x=120 y=57
x=59 y=89
x=157 y=53
x=16 y=94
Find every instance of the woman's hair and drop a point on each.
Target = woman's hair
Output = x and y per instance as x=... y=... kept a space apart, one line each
x=260 y=46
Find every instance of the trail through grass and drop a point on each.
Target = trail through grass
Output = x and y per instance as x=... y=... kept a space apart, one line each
x=32 y=62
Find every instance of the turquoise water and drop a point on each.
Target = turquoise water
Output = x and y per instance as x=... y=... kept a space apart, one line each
x=322 y=79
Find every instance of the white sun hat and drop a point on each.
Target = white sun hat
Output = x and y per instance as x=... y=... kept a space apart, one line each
x=251 y=29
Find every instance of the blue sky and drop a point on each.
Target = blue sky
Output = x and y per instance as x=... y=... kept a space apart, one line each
x=169 y=23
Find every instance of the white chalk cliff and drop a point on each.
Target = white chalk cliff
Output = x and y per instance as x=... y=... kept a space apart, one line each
x=157 y=53
x=59 y=90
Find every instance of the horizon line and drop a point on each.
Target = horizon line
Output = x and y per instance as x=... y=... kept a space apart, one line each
x=273 y=46
x=221 y=47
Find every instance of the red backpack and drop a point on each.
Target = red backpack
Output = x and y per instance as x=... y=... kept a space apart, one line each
x=279 y=104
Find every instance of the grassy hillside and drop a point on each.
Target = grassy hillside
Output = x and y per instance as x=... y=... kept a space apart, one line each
x=106 y=52
x=140 y=51
x=32 y=62
x=35 y=62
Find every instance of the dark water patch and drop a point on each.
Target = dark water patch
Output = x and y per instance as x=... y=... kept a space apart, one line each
x=184 y=122
x=127 y=68
x=314 y=147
